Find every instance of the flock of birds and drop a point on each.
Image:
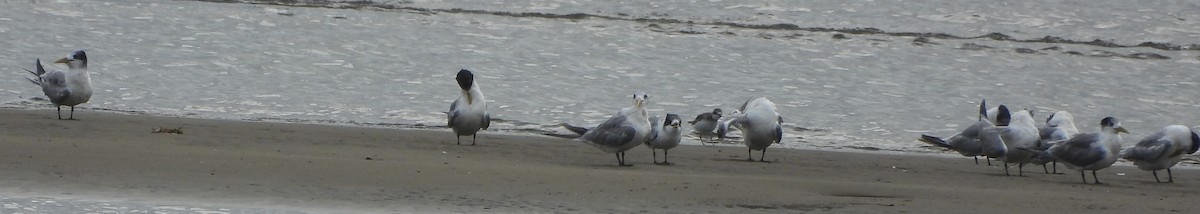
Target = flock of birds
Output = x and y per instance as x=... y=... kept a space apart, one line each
x=628 y=128
x=1010 y=137
x=1014 y=138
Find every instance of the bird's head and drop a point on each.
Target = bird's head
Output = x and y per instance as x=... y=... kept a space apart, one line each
x=673 y=121
x=639 y=99
x=466 y=80
x=1112 y=125
x=77 y=59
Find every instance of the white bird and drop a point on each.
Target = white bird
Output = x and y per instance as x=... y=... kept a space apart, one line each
x=665 y=134
x=629 y=128
x=968 y=141
x=1059 y=127
x=1163 y=149
x=69 y=88
x=761 y=126
x=468 y=114
x=1091 y=151
x=1021 y=132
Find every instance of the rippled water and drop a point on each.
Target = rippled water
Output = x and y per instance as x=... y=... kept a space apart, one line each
x=867 y=75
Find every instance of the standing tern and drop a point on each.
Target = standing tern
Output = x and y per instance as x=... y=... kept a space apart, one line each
x=705 y=124
x=468 y=114
x=968 y=141
x=1059 y=127
x=665 y=134
x=760 y=125
x=629 y=128
x=1020 y=133
x=1163 y=149
x=69 y=88
x=1091 y=151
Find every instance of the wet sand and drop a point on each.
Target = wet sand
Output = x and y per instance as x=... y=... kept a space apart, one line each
x=115 y=159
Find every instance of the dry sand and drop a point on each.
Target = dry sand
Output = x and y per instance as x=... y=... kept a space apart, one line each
x=115 y=158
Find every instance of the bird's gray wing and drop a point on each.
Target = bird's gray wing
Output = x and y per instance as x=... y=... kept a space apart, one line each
x=1148 y=149
x=1046 y=132
x=1151 y=140
x=993 y=145
x=453 y=113
x=1049 y=136
x=655 y=126
x=778 y=134
x=1080 y=150
x=973 y=130
x=487 y=121
x=54 y=85
x=1195 y=143
x=700 y=117
x=614 y=131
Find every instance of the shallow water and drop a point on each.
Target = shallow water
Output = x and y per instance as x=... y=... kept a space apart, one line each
x=845 y=75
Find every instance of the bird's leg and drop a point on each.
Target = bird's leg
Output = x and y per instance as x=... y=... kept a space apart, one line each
x=763 y=157
x=1006 y=169
x=1155 y=172
x=1055 y=164
x=976 y=160
x=653 y=156
x=621 y=159
x=473 y=139
x=1021 y=169
x=457 y=139
x=1170 y=178
x=989 y=160
x=749 y=155
x=1044 y=169
x=59 y=112
x=1081 y=175
x=1094 y=178
x=665 y=157
x=72 y=117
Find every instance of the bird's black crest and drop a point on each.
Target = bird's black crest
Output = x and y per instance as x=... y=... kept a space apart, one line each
x=1003 y=116
x=717 y=111
x=1108 y=122
x=1195 y=143
x=79 y=55
x=465 y=79
x=669 y=118
x=1051 y=117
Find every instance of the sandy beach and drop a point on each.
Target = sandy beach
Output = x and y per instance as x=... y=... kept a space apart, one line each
x=275 y=167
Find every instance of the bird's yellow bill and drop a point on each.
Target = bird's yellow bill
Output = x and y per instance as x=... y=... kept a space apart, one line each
x=63 y=60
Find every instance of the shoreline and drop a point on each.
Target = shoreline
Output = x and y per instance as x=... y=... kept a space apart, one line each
x=240 y=165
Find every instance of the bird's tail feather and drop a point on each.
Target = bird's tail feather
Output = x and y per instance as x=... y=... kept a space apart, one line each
x=34 y=81
x=936 y=141
x=1039 y=154
x=38 y=73
x=576 y=129
x=982 y=109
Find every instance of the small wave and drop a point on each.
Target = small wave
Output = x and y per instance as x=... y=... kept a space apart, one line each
x=401 y=6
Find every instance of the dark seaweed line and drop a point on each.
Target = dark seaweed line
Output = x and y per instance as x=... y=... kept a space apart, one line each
x=365 y=4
